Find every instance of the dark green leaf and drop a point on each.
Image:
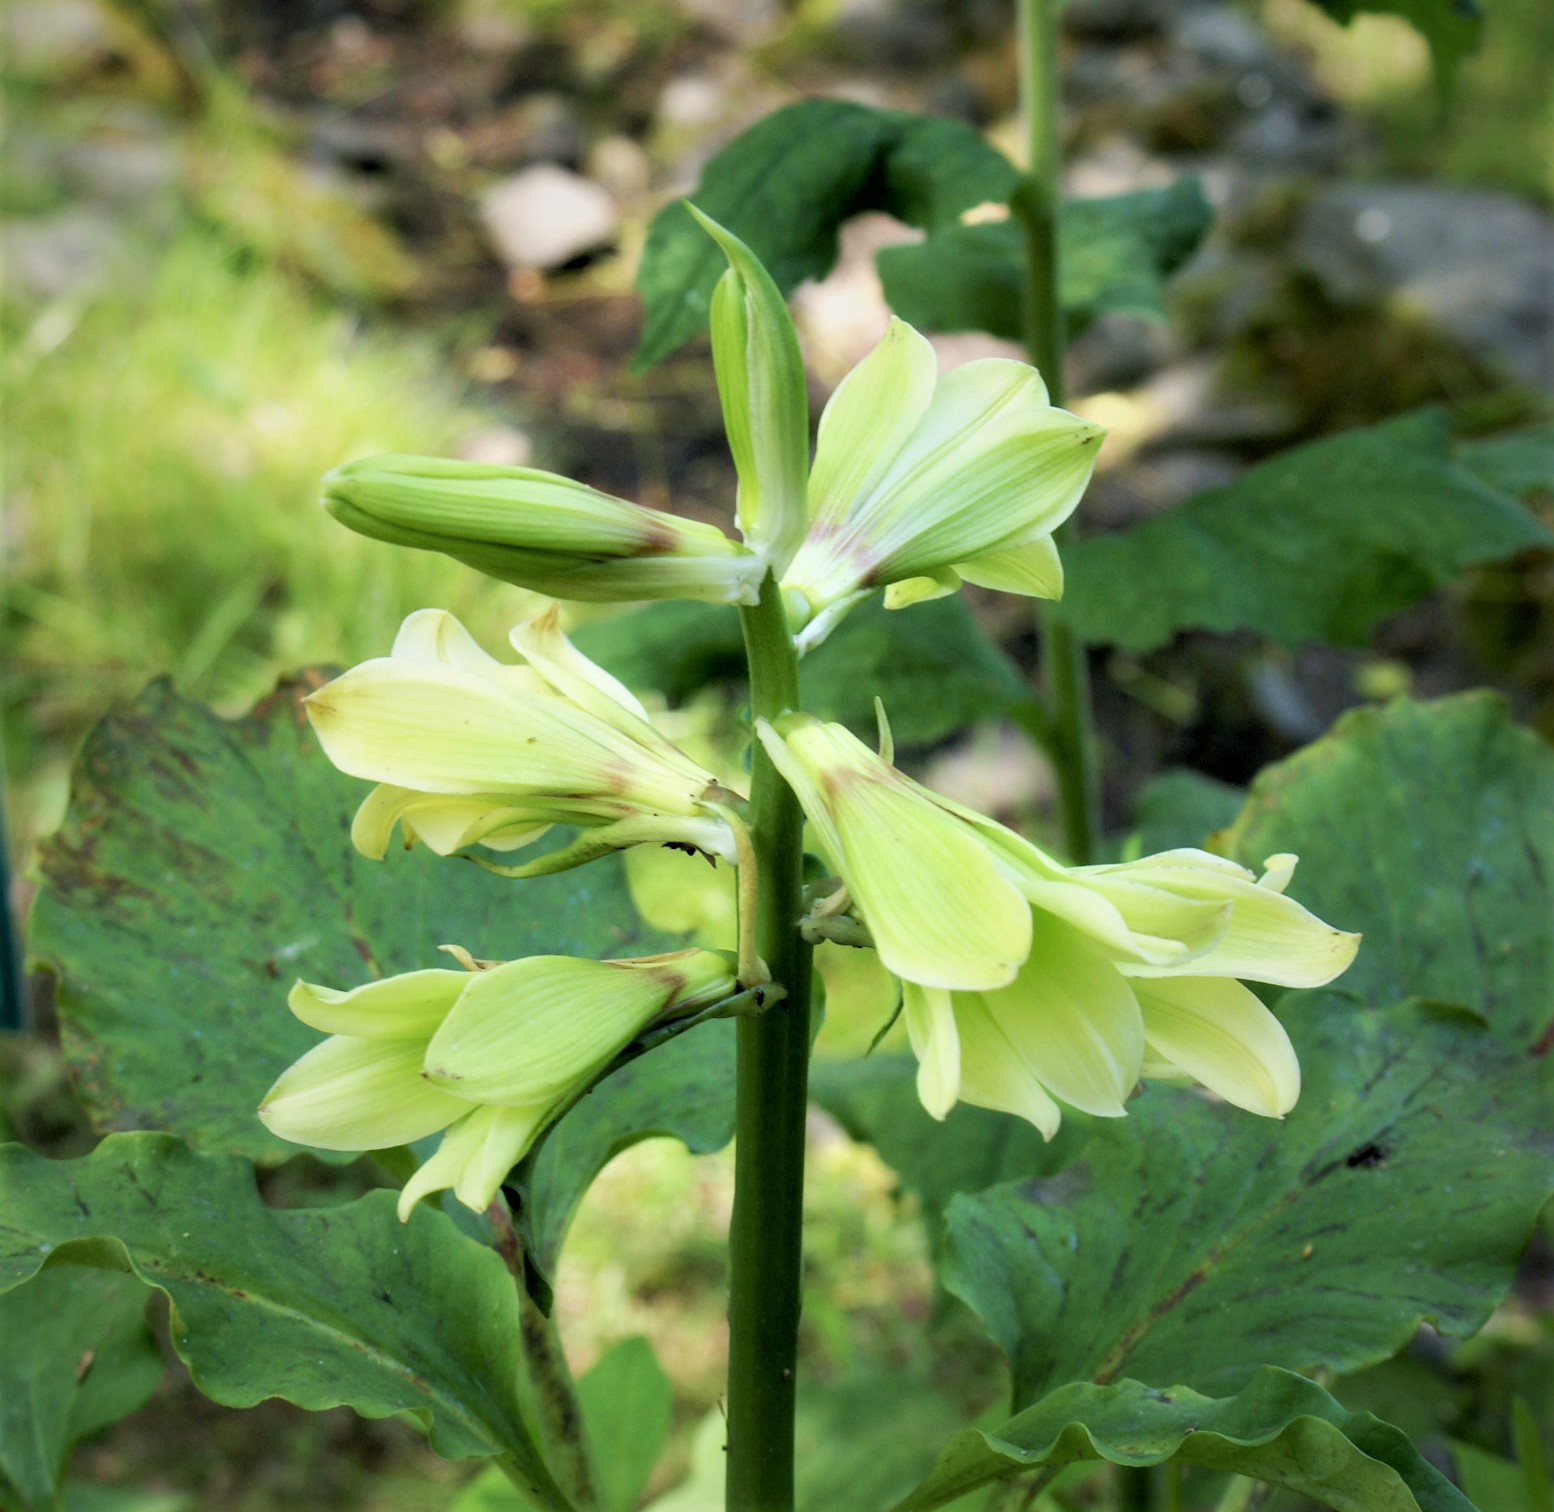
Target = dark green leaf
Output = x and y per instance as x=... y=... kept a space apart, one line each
x=76 y=1356
x=1117 y=253
x=205 y=864
x=1453 y=28
x=627 y=1403
x=932 y=665
x=1281 y=1429
x=1431 y=828
x=1320 y=543
x=785 y=186
x=684 y=1089
x=876 y=1101
x=1192 y=1241
x=1520 y=462
x=323 y=1306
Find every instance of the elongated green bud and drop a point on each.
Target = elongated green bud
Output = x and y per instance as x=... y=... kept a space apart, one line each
x=765 y=409
x=540 y=530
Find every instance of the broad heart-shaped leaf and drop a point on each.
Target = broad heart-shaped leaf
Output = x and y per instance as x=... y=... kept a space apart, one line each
x=77 y=1355
x=1520 y=461
x=1429 y=826
x=1321 y=543
x=785 y=186
x=931 y=665
x=1453 y=28
x=1191 y=1242
x=875 y=1100
x=684 y=1089
x=322 y=1306
x=1280 y=1428
x=204 y=865
x=1116 y=255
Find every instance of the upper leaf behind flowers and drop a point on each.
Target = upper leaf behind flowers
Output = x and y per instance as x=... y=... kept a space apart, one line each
x=1027 y=983
x=467 y=749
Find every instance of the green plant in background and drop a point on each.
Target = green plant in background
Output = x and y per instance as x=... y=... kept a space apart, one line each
x=1173 y=1283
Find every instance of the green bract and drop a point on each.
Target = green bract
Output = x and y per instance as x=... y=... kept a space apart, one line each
x=1026 y=981
x=765 y=408
x=920 y=483
x=491 y=1056
x=540 y=530
x=467 y=749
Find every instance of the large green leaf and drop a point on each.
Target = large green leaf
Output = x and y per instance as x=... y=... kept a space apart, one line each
x=1117 y=253
x=935 y=670
x=77 y=1356
x=1453 y=28
x=1519 y=461
x=1321 y=543
x=785 y=186
x=1281 y=1429
x=1431 y=828
x=322 y=1306
x=203 y=865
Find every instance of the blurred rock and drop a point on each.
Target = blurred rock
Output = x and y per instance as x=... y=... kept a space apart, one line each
x=622 y=166
x=546 y=216
x=50 y=37
x=1222 y=37
x=124 y=171
x=497 y=446
x=50 y=256
x=1475 y=264
x=908 y=34
x=1117 y=351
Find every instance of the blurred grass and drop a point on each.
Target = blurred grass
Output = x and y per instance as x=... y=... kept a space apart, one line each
x=165 y=441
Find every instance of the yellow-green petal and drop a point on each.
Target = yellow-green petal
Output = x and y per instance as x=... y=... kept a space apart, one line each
x=1073 y=1021
x=1033 y=569
x=358 y=1094
x=930 y=1022
x=993 y=1074
x=447 y=822
x=1218 y=1032
x=475 y=1157
x=405 y=1007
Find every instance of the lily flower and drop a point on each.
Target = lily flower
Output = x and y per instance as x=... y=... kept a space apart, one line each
x=493 y=1057
x=920 y=483
x=541 y=531
x=467 y=749
x=1027 y=983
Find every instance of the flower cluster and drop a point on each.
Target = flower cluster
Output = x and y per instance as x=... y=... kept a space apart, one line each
x=1027 y=983
x=493 y=1056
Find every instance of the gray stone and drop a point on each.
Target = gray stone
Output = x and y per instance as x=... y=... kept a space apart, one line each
x=545 y=216
x=1475 y=264
x=1222 y=37
x=50 y=256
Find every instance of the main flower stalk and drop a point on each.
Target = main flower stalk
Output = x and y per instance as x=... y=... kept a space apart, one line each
x=765 y=1237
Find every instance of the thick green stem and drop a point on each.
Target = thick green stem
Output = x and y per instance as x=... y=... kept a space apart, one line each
x=1039 y=206
x=765 y=1238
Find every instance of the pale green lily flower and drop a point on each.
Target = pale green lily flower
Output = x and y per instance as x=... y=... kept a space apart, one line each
x=492 y=1056
x=541 y=531
x=467 y=749
x=920 y=483
x=1027 y=984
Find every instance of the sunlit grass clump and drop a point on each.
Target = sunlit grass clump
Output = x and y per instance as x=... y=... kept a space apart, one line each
x=166 y=439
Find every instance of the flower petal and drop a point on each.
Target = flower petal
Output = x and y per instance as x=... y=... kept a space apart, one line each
x=409 y=1006
x=993 y=1074
x=1033 y=569
x=546 y=649
x=930 y=1022
x=867 y=421
x=1073 y=1021
x=475 y=1157
x=446 y=822
x=1218 y=1032
x=358 y=1094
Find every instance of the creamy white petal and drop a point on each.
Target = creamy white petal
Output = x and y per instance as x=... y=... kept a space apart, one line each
x=546 y=649
x=433 y=637
x=358 y=1094
x=1218 y=1032
x=449 y=822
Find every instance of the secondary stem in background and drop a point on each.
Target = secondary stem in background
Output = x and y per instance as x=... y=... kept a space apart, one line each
x=1039 y=205
x=765 y=1237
